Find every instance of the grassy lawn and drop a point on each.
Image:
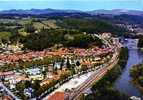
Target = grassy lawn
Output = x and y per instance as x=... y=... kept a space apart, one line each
x=50 y=23
x=5 y=35
x=39 y=25
x=21 y=32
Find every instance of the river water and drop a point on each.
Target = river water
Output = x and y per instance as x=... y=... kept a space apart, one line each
x=123 y=83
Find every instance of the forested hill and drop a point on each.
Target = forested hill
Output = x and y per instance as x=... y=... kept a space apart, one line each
x=91 y=25
x=122 y=19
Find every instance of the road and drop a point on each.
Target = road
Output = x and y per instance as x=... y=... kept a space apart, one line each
x=93 y=78
x=9 y=92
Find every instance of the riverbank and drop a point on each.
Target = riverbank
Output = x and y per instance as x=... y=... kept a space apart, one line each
x=103 y=89
x=137 y=80
x=138 y=86
x=137 y=76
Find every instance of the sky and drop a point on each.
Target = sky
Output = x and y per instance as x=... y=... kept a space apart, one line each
x=85 y=5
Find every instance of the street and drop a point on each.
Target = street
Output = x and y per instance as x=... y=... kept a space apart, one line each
x=9 y=92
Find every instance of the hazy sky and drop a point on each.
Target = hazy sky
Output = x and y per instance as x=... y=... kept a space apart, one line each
x=72 y=4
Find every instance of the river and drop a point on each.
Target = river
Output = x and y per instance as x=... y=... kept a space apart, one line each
x=123 y=83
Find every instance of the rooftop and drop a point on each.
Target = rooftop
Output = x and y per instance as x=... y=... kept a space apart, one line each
x=57 y=96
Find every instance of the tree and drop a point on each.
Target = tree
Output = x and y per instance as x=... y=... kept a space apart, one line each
x=64 y=75
x=68 y=63
x=140 y=42
x=3 y=79
x=44 y=73
x=20 y=86
x=141 y=80
x=106 y=94
x=36 y=86
x=46 y=38
x=90 y=25
x=84 y=68
x=134 y=72
x=77 y=63
x=5 y=37
x=27 y=84
x=29 y=28
x=62 y=64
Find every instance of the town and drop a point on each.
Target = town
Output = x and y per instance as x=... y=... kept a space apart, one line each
x=38 y=73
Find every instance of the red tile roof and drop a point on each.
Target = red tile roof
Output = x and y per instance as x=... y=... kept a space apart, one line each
x=6 y=97
x=57 y=96
x=31 y=55
x=6 y=73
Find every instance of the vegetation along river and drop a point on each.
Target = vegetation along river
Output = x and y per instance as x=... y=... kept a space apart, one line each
x=123 y=83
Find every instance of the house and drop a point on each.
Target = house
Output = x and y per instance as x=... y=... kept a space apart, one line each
x=28 y=92
x=34 y=74
x=57 y=96
x=6 y=74
x=7 y=97
x=106 y=35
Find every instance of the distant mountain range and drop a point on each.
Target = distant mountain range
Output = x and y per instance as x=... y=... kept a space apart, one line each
x=117 y=12
x=51 y=11
x=37 y=11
